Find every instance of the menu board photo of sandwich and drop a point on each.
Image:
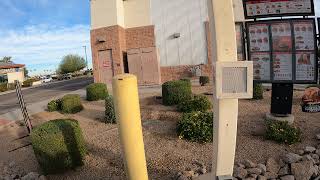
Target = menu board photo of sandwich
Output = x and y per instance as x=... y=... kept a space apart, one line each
x=261 y=66
x=304 y=35
x=305 y=66
x=259 y=37
x=281 y=37
x=282 y=66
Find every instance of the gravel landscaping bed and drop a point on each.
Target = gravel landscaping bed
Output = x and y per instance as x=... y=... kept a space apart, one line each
x=167 y=155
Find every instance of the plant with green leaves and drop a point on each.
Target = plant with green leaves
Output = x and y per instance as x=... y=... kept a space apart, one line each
x=3 y=87
x=204 y=80
x=110 y=115
x=257 y=91
x=282 y=132
x=71 y=104
x=197 y=103
x=71 y=63
x=97 y=91
x=175 y=92
x=54 y=105
x=58 y=145
x=196 y=127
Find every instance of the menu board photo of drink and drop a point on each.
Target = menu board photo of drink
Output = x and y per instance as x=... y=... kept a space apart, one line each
x=267 y=8
x=282 y=66
x=259 y=37
x=240 y=44
x=304 y=35
x=261 y=65
x=281 y=37
x=305 y=66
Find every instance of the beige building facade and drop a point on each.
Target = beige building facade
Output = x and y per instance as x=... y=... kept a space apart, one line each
x=157 y=40
x=11 y=72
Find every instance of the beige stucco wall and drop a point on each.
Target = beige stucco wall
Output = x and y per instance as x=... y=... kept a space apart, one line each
x=105 y=13
x=238 y=11
x=137 y=13
x=15 y=76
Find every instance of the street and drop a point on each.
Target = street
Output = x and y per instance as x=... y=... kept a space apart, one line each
x=9 y=102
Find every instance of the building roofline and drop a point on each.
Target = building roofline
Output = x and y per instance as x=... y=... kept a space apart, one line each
x=12 y=66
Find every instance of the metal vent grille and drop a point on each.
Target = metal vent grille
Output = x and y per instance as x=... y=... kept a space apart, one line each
x=234 y=80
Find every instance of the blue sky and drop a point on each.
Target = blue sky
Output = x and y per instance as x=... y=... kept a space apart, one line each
x=39 y=33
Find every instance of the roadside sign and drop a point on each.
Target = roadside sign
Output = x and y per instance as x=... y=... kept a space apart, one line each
x=283 y=51
x=277 y=8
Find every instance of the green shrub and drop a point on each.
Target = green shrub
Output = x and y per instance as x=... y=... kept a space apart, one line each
x=3 y=87
x=282 y=132
x=54 y=105
x=197 y=103
x=28 y=82
x=204 y=80
x=71 y=104
x=257 y=91
x=196 y=127
x=58 y=145
x=97 y=91
x=188 y=80
x=110 y=115
x=175 y=92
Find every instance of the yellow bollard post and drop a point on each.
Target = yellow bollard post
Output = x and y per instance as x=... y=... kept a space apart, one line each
x=127 y=109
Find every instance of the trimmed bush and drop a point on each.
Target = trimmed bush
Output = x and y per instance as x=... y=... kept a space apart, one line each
x=54 y=105
x=204 y=80
x=257 y=91
x=28 y=82
x=97 y=91
x=187 y=80
x=197 y=103
x=11 y=86
x=58 y=145
x=282 y=132
x=71 y=104
x=3 y=87
x=110 y=115
x=196 y=127
x=175 y=92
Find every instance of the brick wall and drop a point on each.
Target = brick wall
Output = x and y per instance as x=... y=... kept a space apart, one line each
x=140 y=37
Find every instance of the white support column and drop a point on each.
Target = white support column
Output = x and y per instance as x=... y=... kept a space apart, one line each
x=222 y=27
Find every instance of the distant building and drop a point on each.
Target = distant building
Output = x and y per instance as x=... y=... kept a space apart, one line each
x=10 y=72
x=157 y=40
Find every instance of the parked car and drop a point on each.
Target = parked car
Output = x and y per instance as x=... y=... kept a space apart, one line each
x=46 y=79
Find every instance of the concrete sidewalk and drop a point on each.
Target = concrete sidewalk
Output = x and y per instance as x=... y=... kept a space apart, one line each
x=34 y=108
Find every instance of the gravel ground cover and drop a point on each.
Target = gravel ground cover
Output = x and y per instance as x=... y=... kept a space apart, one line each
x=166 y=154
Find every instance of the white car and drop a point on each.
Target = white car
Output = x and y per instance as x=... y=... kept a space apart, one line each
x=46 y=79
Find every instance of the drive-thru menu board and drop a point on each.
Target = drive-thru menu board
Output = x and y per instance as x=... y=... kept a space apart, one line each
x=283 y=50
x=268 y=8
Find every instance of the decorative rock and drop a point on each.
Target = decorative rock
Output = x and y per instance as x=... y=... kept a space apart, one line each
x=288 y=177
x=272 y=166
x=262 y=178
x=188 y=173
x=318 y=136
x=310 y=149
x=182 y=178
x=249 y=164
x=318 y=152
x=241 y=165
x=263 y=168
x=256 y=171
x=31 y=176
x=301 y=152
x=202 y=171
x=284 y=171
x=303 y=170
x=240 y=173
x=270 y=175
x=316 y=171
x=250 y=178
x=254 y=176
x=42 y=177
x=315 y=156
x=306 y=158
x=291 y=158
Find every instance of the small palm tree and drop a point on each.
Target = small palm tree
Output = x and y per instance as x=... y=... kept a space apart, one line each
x=6 y=59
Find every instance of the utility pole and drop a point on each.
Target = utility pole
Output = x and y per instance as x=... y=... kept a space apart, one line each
x=85 y=51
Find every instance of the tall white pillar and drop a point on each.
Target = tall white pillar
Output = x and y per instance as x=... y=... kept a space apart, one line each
x=224 y=48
